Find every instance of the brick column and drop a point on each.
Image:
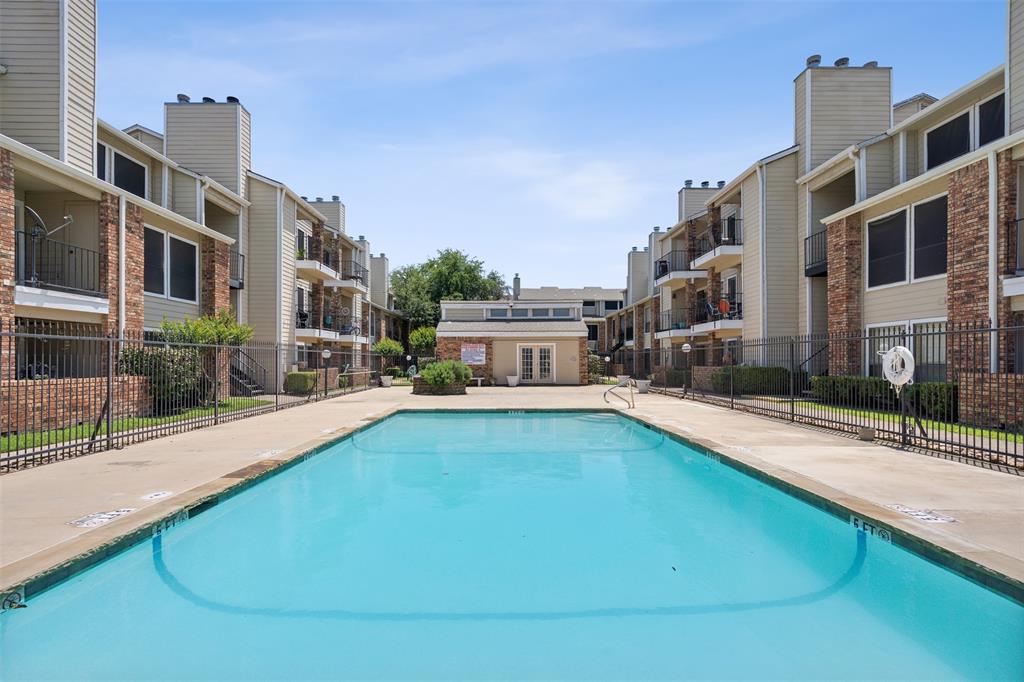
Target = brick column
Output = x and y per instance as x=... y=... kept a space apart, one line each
x=135 y=260
x=215 y=276
x=316 y=304
x=316 y=242
x=108 y=228
x=584 y=360
x=7 y=260
x=1007 y=170
x=845 y=285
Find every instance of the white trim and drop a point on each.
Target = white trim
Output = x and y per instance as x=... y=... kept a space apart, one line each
x=910 y=121
x=536 y=362
x=165 y=181
x=762 y=182
x=1006 y=71
x=906 y=254
x=122 y=206
x=993 y=255
x=167 y=266
x=912 y=242
x=49 y=299
x=903 y=157
x=279 y=268
x=973 y=127
x=62 y=117
x=808 y=309
x=199 y=201
x=515 y=334
x=95 y=94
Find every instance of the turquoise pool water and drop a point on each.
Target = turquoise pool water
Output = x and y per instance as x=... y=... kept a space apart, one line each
x=516 y=546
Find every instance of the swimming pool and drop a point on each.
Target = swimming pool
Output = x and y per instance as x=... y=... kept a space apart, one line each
x=482 y=545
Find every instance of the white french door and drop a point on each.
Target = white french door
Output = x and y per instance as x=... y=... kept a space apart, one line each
x=537 y=364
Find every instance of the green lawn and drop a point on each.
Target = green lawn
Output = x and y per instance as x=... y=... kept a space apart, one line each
x=33 y=439
x=929 y=424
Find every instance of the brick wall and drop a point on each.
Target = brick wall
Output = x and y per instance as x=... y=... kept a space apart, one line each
x=967 y=246
x=7 y=259
x=450 y=348
x=215 y=276
x=43 y=404
x=991 y=400
x=583 y=358
x=845 y=299
x=109 y=219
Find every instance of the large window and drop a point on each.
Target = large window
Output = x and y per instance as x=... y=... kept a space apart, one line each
x=925 y=338
x=991 y=120
x=101 y=161
x=171 y=266
x=949 y=140
x=129 y=175
x=930 y=233
x=887 y=250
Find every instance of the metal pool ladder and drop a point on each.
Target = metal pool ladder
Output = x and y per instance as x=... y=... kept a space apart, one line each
x=625 y=381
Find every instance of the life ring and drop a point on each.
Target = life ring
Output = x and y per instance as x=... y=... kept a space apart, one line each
x=898 y=366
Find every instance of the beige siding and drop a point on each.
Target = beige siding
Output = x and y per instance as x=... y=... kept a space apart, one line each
x=919 y=300
x=245 y=138
x=780 y=246
x=802 y=231
x=847 y=106
x=183 y=194
x=204 y=137
x=154 y=142
x=156 y=181
x=286 y=242
x=751 y=257
x=1015 y=97
x=565 y=358
x=902 y=113
x=242 y=303
x=264 y=261
x=878 y=163
x=913 y=156
x=464 y=314
x=30 y=92
x=800 y=120
x=81 y=84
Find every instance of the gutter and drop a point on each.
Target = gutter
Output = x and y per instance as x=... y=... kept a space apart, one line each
x=121 y=221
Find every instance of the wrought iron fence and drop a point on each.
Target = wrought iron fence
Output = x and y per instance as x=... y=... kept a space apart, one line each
x=966 y=402
x=673 y=261
x=351 y=269
x=51 y=264
x=69 y=390
x=816 y=254
x=727 y=232
x=236 y=268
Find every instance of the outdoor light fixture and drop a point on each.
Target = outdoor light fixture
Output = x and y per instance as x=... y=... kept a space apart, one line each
x=607 y=358
x=326 y=353
x=687 y=348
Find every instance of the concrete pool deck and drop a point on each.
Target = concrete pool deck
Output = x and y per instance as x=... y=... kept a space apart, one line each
x=37 y=504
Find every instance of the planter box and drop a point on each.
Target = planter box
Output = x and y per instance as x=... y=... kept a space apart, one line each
x=385 y=380
x=421 y=387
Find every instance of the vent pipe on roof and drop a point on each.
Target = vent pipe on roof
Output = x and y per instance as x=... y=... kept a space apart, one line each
x=361 y=238
x=334 y=197
x=232 y=99
x=871 y=65
x=705 y=184
x=319 y=198
x=842 y=61
x=183 y=99
x=634 y=248
x=721 y=183
x=208 y=100
x=515 y=287
x=814 y=61
x=305 y=198
x=688 y=183
x=657 y=228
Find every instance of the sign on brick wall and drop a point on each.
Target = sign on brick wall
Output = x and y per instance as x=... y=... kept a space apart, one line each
x=474 y=353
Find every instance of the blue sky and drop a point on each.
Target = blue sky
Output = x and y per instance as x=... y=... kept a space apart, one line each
x=545 y=138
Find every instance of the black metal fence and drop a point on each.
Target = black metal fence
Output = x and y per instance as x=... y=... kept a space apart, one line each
x=966 y=402
x=70 y=390
x=52 y=264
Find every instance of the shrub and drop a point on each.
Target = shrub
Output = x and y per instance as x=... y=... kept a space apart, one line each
x=930 y=399
x=396 y=372
x=176 y=378
x=300 y=383
x=342 y=381
x=423 y=339
x=752 y=379
x=676 y=378
x=221 y=329
x=446 y=373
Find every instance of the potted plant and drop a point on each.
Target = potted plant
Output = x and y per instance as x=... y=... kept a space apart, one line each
x=512 y=380
x=644 y=385
x=388 y=349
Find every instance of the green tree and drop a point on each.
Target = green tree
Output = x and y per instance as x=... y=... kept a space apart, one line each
x=423 y=339
x=389 y=349
x=451 y=275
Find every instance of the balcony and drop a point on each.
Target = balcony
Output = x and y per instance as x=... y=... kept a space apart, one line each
x=343 y=329
x=352 y=278
x=1013 y=281
x=674 y=324
x=49 y=264
x=312 y=269
x=723 y=319
x=720 y=246
x=236 y=269
x=673 y=269
x=816 y=255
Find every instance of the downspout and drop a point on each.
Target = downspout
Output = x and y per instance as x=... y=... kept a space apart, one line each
x=993 y=259
x=762 y=184
x=122 y=205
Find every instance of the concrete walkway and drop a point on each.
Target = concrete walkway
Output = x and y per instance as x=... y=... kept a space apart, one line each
x=36 y=505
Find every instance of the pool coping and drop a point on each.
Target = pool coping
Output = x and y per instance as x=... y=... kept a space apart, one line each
x=85 y=551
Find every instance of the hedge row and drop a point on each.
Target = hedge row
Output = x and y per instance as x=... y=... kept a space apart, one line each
x=930 y=399
x=743 y=379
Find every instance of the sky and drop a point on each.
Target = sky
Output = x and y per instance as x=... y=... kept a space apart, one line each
x=546 y=139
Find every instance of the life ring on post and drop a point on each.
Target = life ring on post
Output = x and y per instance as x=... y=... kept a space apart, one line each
x=898 y=366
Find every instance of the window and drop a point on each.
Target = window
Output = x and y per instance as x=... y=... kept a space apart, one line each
x=613 y=305
x=591 y=332
x=930 y=234
x=949 y=140
x=589 y=304
x=882 y=338
x=153 y=269
x=520 y=312
x=101 y=161
x=540 y=312
x=991 y=119
x=300 y=245
x=129 y=175
x=182 y=268
x=925 y=338
x=647 y=320
x=497 y=312
x=887 y=250
x=171 y=266
x=561 y=312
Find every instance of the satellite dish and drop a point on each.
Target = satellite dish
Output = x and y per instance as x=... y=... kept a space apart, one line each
x=39 y=225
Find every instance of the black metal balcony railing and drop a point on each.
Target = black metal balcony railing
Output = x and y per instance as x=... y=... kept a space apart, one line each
x=343 y=324
x=816 y=254
x=673 y=261
x=350 y=269
x=674 y=319
x=728 y=307
x=1014 y=247
x=50 y=264
x=727 y=232
x=236 y=269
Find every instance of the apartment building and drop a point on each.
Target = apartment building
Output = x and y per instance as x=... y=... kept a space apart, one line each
x=598 y=302
x=117 y=230
x=385 y=320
